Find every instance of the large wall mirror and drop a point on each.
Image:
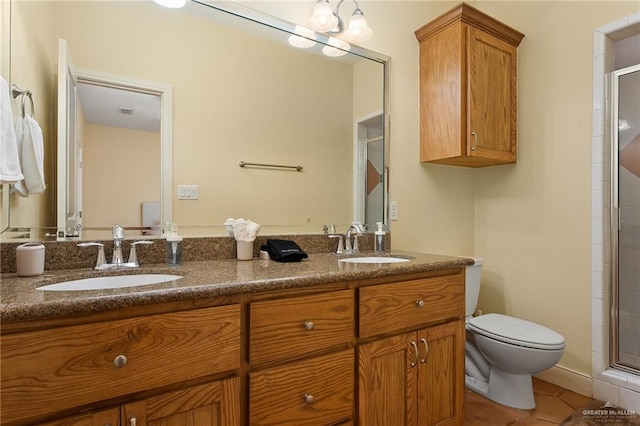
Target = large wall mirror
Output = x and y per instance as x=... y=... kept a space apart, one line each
x=228 y=87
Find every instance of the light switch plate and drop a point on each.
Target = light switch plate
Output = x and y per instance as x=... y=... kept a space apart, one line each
x=393 y=210
x=187 y=192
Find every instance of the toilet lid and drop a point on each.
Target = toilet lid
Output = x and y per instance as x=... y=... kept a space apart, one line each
x=516 y=331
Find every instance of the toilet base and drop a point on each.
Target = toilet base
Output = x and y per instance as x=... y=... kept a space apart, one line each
x=512 y=390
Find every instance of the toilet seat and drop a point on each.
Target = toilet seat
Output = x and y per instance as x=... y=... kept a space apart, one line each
x=516 y=331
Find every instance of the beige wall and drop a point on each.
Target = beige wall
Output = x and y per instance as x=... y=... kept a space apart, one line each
x=531 y=221
x=136 y=157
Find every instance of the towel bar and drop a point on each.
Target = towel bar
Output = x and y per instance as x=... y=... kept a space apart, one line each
x=297 y=168
x=16 y=91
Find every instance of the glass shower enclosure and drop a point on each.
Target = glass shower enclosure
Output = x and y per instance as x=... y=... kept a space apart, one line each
x=625 y=218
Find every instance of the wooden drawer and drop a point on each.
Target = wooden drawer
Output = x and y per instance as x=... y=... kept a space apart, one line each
x=318 y=391
x=409 y=304
x=71 y=366
x=289 y=328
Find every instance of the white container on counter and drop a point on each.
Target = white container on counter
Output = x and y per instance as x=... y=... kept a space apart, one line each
x=30 y=259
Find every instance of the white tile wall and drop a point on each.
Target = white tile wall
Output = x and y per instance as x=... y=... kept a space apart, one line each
x=610 y=385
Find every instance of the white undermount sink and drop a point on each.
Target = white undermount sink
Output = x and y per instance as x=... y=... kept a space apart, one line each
x=374 y=259
x=104 y=283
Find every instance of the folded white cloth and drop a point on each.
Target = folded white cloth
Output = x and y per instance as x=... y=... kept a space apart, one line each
x=10 y=171
x=31 y=149
x=245 y=230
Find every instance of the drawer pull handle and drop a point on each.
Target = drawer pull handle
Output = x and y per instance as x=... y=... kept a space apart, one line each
x=309 y=325
x=475 y=135
x=420 y=303
x=417 y=354
x=426 y=350
x=308 y=398
x=133 y=421
x=120 y=361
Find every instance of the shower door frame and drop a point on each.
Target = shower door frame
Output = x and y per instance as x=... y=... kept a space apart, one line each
x=614 y=349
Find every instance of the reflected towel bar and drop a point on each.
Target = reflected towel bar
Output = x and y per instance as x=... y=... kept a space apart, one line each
x=297 y=168
x=16 y=91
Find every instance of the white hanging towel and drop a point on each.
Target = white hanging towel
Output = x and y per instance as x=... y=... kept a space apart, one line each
x=10 y=171
x=31 y=146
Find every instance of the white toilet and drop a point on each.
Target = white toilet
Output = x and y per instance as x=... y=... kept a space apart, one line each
x=502 y=352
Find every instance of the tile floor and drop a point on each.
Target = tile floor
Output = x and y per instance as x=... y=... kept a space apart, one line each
x=553 y=405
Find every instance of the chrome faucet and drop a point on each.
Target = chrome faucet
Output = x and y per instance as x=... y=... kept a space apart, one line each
x=117 y=259
x=118 y=238
x=349 y=249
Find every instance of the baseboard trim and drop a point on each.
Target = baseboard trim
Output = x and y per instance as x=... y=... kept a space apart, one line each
x=568 y=379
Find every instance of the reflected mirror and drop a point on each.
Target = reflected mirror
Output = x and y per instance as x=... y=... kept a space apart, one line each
x=240 y=93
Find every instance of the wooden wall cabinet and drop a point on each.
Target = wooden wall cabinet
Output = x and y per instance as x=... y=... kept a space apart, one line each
x=468 y=89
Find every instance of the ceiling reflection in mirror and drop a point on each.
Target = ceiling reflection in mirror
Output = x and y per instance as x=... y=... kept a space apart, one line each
x=241 y=93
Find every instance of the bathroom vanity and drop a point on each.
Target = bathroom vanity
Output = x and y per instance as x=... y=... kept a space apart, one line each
x=319 y=342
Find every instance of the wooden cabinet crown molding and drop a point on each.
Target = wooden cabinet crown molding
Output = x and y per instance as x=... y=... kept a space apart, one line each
x=472 y=16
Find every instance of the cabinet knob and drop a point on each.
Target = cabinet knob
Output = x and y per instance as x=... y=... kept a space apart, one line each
x=420 y=303
x=309 y=325
x=133 y=421
x=417 y=353
x=308 y=398
x=120 y=361
x=426 y=350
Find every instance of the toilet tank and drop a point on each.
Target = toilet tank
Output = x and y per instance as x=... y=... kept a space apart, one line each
x=472 y=285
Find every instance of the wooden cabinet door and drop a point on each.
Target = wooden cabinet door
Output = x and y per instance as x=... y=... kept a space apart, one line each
x=441 y=375
x=492 y=97
x=387 y=375
x=110 y=417
x=211 y=404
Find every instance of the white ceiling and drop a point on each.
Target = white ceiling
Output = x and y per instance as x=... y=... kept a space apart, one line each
x=101 y=104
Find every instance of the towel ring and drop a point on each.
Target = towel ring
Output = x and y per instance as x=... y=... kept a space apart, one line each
x=16 y=91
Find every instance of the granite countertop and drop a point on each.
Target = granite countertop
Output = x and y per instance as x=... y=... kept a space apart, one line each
x=20 y=300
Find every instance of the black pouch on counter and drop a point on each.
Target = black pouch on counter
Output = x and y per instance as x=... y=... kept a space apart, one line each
x=284 y=251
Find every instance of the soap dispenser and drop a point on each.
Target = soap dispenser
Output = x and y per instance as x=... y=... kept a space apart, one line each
x=174 y=246
x=380 y=238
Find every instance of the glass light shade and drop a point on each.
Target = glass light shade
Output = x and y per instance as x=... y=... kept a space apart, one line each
x=172 y=4
x=323 y=19
x=303 y=37
x=358 y=30
x=623 y=125
x=336 y=47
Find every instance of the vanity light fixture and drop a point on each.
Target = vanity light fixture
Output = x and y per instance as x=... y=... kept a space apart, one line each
x=171 y=4
x=623 y=125
x=303 y=37
x=325 y=20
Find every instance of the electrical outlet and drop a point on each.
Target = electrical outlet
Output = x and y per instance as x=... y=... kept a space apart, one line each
x=393 y=210
x=187 y=192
